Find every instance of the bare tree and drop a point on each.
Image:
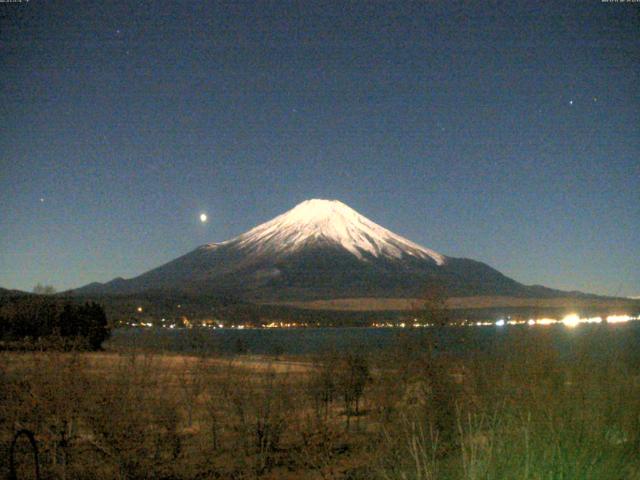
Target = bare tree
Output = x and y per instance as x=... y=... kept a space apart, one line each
x=433 y=307
x=353 y=376
x=41 y=289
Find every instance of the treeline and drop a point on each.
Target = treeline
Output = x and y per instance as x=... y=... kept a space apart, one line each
x=30 y=321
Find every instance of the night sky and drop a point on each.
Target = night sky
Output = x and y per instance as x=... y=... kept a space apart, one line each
x=508 y=133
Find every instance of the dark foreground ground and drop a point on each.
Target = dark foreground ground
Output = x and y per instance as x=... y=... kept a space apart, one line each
x=529 y=407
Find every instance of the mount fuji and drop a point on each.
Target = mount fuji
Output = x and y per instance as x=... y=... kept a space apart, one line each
x=320 y=249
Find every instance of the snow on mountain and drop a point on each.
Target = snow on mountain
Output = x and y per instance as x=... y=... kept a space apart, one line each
x=318 y=250
x=327 y=221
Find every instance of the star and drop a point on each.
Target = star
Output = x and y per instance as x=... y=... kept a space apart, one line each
x=41 y=200
x=570 y=102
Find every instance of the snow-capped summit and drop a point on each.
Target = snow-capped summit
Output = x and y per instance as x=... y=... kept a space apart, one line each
x=330 y=222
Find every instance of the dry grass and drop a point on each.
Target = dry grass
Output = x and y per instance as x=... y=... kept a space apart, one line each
x=523 y=410
x=405 y=304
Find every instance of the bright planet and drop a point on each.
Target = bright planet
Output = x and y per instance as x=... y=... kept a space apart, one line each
x=203 y=217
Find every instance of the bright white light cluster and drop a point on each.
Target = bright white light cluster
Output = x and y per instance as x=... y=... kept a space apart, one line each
x=572 y=320
x=620 y=318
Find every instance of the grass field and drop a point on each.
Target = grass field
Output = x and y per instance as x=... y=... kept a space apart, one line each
x=477 y=302
x=522 y=410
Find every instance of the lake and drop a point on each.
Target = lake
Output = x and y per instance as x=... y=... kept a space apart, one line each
x=317 y=340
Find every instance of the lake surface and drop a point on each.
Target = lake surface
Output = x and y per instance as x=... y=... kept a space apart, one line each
x=319 y=340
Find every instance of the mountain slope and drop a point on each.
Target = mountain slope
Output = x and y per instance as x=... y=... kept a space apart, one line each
x=4 y=293
x=320 y=249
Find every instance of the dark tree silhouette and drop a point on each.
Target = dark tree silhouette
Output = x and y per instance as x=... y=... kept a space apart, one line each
x=41 y=289
x=39 y=318
x=433 y=306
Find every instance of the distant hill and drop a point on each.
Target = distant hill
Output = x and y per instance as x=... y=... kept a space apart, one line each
x=12 y=293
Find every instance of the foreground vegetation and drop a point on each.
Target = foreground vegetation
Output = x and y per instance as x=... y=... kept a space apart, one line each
x=521 y=410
